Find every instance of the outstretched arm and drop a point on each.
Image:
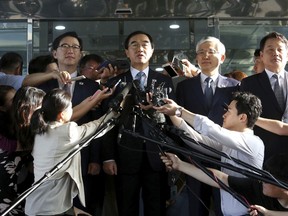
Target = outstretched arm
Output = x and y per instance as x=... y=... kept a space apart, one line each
x=39 y=78
x=173 y=162
x=170 y=108
x=90 y=102
x=255 y=209
x=273 y=126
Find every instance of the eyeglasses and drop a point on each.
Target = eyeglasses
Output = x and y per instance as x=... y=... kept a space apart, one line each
x=135 y=45
x=209 y=52
x=67 y=46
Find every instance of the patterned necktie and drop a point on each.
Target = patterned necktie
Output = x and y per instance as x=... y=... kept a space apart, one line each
x=208 y=92
x=141 y=76
x=278 y=91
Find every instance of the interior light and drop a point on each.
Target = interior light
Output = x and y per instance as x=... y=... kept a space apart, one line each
x=59 y=27
x=174 y=26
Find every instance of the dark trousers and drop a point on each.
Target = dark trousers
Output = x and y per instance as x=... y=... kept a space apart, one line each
x=200 y=195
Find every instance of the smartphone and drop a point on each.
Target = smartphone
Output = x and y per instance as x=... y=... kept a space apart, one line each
x=104 y=64
x=177 y=63
x=113 y=84
x=121 y=64
x=170 y=70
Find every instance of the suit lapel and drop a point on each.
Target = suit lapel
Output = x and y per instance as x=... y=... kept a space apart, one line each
x=264 y=82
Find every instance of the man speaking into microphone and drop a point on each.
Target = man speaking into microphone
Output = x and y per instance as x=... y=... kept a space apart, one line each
x=134 y=161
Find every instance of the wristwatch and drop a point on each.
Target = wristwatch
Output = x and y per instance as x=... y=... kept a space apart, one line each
x=178 y=111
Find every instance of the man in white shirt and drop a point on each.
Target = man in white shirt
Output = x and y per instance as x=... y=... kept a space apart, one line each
x=235 y=137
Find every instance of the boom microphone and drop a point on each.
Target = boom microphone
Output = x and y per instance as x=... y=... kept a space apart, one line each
x=115 y=103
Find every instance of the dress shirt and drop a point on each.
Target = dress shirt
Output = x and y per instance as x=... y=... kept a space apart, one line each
x=13 y=80
x=244 y=146
x=213 y=84
x=282 y=81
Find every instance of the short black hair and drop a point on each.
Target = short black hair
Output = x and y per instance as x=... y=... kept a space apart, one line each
x=57 y=40
x=277 y=165
x=10 y=61
x=273 y=35
x=40 y=63
x=90 y=57
x=249 y=104
x=257 y=52
x=126 y=42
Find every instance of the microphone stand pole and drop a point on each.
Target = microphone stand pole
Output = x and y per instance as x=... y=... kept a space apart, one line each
x=111 y=122
x=207 y=158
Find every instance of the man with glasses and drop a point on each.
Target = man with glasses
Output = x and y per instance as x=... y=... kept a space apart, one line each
x=205 y=94
x=134 y=161
x=67 y=50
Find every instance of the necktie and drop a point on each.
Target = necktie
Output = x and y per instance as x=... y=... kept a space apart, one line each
x=278 y=91
x=141 y=76
x=208 y=92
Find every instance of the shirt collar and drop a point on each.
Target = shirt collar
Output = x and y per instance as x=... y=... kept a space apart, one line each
x=134 y=71
x=203 y=77
x=270 y=73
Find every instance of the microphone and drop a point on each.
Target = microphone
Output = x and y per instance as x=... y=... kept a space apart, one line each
x=115 y=103
x=119 y=136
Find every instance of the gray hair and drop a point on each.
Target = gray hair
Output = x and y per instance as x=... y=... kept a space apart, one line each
x=220 y=46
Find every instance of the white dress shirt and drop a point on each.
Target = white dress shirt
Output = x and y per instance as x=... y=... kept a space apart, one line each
x=244 y=146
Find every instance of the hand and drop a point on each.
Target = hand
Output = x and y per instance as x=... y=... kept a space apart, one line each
x=169 y=108
x=192 y=70
x=171 y=161
x=100 y=95
x=110 y=167
x=255 y=209
x=94 y=168
x=62 y=76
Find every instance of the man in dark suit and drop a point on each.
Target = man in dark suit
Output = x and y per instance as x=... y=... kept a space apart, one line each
x=135 y=162
x=273 y=54
x=192 y=94
x=66 y=49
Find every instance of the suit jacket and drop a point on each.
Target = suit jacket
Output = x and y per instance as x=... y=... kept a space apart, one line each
x=83 y=89
x=260 y=86
x=190 y=95
x=129 y=152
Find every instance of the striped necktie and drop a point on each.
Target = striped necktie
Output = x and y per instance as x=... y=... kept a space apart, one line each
x=141 y=76
x=208 y=92
x=278 y=91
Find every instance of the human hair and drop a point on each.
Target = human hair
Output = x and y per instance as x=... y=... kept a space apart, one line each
x=238 y=75
x=25 y=102
x=10 y=61
x=57 y=40
x=257 y=53
x=4 y=90
x=249 y=104
x=273 y=35
x=54 y=102
x=277 y=165
x=90 y=57
x=126 y=42
x=40 y=63
x=219 y=45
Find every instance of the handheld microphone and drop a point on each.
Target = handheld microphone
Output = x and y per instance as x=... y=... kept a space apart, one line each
x=115 y=103
x=77 y=78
